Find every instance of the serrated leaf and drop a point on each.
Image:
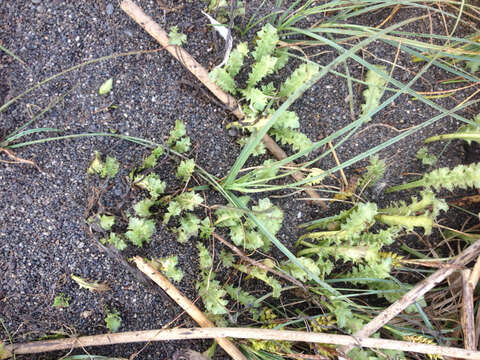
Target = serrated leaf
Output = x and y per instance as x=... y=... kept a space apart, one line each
x=188 y=228
x=226 y=258
x=257 y=99
x=108 y=168
x=113 y=320
x=176 y=38
x=115 y=240
x=373 y=93
x=151 y=160
x=299 y=77
x=375 y=172
x=235 y=62
x=317 y=176
x=222 y=78
x=270 y=215
x=227 y=217
x=182 y=145
x=260 y=149
x=185 y=201
x=260 y=69
x=152 y=183
x=243 y=297
x=140 y=230
x=206 y=229
x=267 y=39
x=90 y=285
x=426 y=158
x=294 y=138
x=205 y=260
x=212 y=295
x=106 y=221
x=142 y=208
x=287 y=120
x=282 y=59
x=61 y=301
x=269 y=89
x=185 y=169
x=178 y=131
x=168 y=266
x=300 y=274
x=106 y=87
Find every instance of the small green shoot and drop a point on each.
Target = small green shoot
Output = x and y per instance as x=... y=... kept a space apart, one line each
x=113 y=320
x=61 y=301
x=176 y=38
x=168 y=267
x=106 y=87
x=108 y=168
x=426 y=158
x=115 y=240
x=185 y=169
x=189 y=226
x=106 y=221
x=209 y=289
x=140 y=230
x=373 y=93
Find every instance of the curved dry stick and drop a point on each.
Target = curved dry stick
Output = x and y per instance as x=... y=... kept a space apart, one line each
x=150 y=26
x=239 y=333
x=416 y=292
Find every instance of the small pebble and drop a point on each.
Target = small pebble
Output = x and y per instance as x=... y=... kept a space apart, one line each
x=109 y=9
x=36 y=2
x=232 y=132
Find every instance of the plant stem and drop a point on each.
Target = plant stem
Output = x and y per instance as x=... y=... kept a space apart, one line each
x=406 y=186
x=453 y=136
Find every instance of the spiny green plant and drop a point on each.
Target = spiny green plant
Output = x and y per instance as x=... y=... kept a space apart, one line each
x=348 y=237
x=461 y=176
x=260 y=99
x=61 y=301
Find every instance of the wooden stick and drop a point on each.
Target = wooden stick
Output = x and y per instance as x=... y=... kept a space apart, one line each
x=36 y=347
x=416 y=292
x=150 y=26
x=473 y=281
x=186 y=305
x=468 y=324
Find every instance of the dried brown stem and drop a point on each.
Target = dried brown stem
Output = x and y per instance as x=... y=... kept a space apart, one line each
x=150 y=26
x=257 y=263
x=468 y=324
x=239 y=333
x=186 y=305
x=473 y=281
x=416 y=292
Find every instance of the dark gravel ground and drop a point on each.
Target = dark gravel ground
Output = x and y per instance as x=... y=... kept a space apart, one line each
x=42 y=240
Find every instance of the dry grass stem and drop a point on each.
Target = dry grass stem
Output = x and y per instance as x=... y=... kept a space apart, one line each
x=36 y=347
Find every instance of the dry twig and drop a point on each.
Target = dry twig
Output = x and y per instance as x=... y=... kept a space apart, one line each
x=36 y=347
x=468 y=324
